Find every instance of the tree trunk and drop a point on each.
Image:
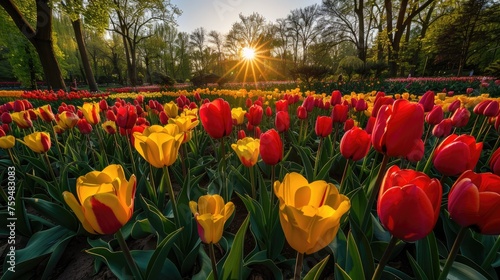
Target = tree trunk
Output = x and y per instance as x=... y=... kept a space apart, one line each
x=77 y=28
x=41 y=39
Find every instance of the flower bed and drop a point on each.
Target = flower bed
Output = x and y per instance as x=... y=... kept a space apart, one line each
x=246 y=183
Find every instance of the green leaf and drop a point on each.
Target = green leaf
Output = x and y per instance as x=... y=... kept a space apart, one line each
x=354 y=264
x=417 y=270
x=55 y=212
x=206 y=265
x=22 y=224
x=39 y=247
x=427 y=256
x=161 y=224
x=461 y=270
x=306 y=155
x=141 y=228
x=339 y=272
x=260 y=258
x=233 y=266
x=155 y=264
x=316 y=271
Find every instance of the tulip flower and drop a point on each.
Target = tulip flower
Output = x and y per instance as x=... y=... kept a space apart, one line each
x=6 y=118
x=45 y=113
x=336 y=97
x=417 y=152
x=457 y=154
x=401 y=188
x=238 y=115
x=361 y=105
x=211 y=214
x=435 y=116
x=355 y=144
x=269 y=111
x=349 y=123
x=454 y=106
x=103 y=105
x=427 y=100
x=309 y=213
x=22 y=119
x=301 y=112
x=105 y=200
x=442 y=129
x=38 y=142
x=398 y=127
x=247 y=150
x=126 y=117
x=324 y=126
x=216 y=118
x=171 y=109
x=271 y=147
x=282 y=121
x=281 y=105
x=339 y=113
x=91 y=112
x=460 y=117
x=109 y=127
x=7 y=141
x=495 y=162
x=186 y=124
x=159 y=146
x=241 y=134
x=474 y=201
x=308 y=103
x=254 y=115
x=84 y=126
x=67 y=119
x=381 y=100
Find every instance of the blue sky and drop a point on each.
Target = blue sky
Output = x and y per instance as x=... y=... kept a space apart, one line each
x=220 y=15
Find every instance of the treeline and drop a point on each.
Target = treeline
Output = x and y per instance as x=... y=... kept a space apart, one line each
x=135 y=42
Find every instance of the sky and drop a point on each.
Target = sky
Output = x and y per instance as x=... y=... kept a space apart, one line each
x=219 y=15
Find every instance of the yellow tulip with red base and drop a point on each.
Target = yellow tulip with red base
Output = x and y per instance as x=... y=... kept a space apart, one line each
x=211 y=214
x=105 y=200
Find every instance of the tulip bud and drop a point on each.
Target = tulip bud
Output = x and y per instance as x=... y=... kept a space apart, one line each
x=271 y=147
x=355 y=144
x=103 y=105
x=241 y=134
x=6 y=118
x=323 y=126
x=435 y=116
x=269 y=111
x=442 y=129
x=336 y=97
x=457 y=154
x=163 y=118
x=495 y=162
x=427 y=100
x=461 y=117
x=282 y=121
x=84 y=126
x=301 y=113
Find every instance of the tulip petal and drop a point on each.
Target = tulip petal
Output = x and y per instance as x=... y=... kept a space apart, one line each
x=71 y=201
x=106 y=213
x=489 y=213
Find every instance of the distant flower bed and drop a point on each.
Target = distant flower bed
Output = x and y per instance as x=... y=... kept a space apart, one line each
x=50 y=95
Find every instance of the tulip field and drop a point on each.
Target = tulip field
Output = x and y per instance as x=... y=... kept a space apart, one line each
x=252 y=184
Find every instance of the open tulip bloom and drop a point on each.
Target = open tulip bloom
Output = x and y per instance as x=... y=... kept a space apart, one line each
x=105 y=200
x=211 y=214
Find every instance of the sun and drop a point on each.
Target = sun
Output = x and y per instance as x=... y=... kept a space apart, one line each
x=248 y=53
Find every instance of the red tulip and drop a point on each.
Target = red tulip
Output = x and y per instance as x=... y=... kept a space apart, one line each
x=435 y=116
x=336 y=97
x=126 y=117
x=216 y=118
x=324 y=126
x=454 y=105
x=442 y=129
x=495 y=162
x=271 y=147
x=457 y=154
x=460 y=117
x=103 y=105
x=309 y=103
x=301 y=112
x=361 y=105
x=281 y=105
x=269 y=111
x=370 y=124
x=398 y=128
x=241 y=134
x=355 y=144
x=469 y=90
x=474 y=201
x=339 y=113
x=417 y=152
x=248 y=103
x=427 y=100
x=19 y=106
x=401 y=188
x=163 y=118
x=492 y=109
x=282 y=121
x=381 y=100
x=84 y=126
x=6 y=118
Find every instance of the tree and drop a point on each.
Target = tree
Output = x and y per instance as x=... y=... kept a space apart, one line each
x=129 y=19
x=40 y=37
x=303 y=23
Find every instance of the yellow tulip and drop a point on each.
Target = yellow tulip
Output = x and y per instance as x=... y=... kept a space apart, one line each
x=185 y=124
x=238 y=115
x=91 y=112
x=45 y=113
x=171 y=109
x=67 y=119
x=22 y=119
x=105 y=200
x=159 y=145
x=7 y=142
x=38 y=142
x=109 y=127
x=309 y=213
x=211 y=214
x=248 y=150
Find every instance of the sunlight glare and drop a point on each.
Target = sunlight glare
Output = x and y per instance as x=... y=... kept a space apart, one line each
x=248 y=53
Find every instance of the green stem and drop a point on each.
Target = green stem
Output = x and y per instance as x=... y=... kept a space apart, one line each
x=342 y=181
x=491 y=255
x=152 y=185
x=128 y=256
x=128 y=138
x=453 y=253
x=298 y=266
x=223 y=169
x=385 y=258
x=482 y=128
x=52 y=174
x=56 y=142
x=214 y=261
x=372 y=194
x=252 y=181
x=168 y=183
x=428 y=164
x=318 y=157
x=101 y=143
